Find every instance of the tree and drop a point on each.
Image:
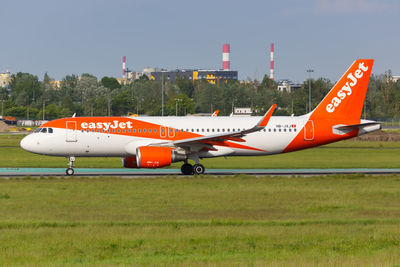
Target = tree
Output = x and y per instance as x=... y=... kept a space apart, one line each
x=180 y=104
x=26 y=84
x=110 y=83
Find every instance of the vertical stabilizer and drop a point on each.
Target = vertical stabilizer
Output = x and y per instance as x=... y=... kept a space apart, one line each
x=346 y=98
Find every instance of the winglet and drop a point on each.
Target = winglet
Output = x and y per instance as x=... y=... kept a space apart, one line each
x=264 y=121
x=215 y=114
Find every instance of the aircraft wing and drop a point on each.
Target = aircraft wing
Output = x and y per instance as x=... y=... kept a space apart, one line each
x=229 y=136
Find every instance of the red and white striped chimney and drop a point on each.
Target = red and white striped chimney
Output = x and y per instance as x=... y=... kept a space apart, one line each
x=226 y=64
x=271 y=72
x=124 y=67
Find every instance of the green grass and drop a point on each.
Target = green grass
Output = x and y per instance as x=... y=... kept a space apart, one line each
x=335 y=220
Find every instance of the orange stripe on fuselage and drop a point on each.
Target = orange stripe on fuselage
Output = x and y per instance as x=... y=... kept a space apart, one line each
x=323 y=134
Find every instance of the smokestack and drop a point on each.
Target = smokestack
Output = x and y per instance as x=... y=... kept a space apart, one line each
x=226 y=64
x=271 y=73
x=124 y=67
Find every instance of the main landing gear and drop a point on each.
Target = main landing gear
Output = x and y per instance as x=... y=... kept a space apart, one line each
x=188 y=169
x=70 y=171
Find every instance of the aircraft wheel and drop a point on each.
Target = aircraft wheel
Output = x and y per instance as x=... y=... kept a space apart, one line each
x=69 y=171
x=187 y=169
x=198 y=169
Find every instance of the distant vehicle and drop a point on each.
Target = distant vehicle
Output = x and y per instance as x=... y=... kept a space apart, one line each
x=9 y=120
x=155 y=142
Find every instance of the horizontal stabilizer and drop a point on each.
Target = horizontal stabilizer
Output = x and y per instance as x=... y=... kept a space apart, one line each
x=363 y=127
x=358 y=126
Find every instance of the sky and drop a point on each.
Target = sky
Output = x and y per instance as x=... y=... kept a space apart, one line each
x=91 y=36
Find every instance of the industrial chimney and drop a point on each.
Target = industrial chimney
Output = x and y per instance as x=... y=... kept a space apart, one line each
x=124 y=67
x=226 y=64
x=271 y=73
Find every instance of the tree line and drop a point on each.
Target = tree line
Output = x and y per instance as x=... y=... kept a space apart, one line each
x=27 y=97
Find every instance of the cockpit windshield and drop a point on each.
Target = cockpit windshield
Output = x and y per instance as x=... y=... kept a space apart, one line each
x=43 y=130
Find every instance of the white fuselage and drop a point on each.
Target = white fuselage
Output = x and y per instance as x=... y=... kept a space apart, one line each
x=273 y=139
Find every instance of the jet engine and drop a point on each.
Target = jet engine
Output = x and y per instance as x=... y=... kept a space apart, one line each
x=153 y=157
x=129 y=162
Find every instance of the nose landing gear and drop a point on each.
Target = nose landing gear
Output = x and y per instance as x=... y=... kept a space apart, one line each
x=70 y=171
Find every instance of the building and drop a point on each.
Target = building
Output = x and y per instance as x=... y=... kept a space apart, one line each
x=212 y=76
x=288 y=86
x=55 y=84
x=242 y=111
x=395 y=78
x=5 y=79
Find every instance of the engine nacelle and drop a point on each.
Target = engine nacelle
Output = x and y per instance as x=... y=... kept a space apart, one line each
x=152 y=157
x=129 y=162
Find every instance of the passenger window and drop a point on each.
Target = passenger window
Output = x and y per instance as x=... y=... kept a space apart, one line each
x=218 y=130
x=119 y=130
x=197 y=130
x=212 y=129
x=149 y=130
x=295 y=129
x=134 y=130
x=223 y=129
x=144 y=130
x=138 y=130
x=274 y=129
x=284 y=130
x=269 y=129
x=279 y=129
x=155 y=130
x=114 y=131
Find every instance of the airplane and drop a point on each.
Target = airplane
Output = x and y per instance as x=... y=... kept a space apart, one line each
x=155 y=142
x=215 y=114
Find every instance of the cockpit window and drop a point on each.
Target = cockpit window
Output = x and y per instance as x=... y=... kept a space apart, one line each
x=37 y=130
x=44 y=130
x=50 y=130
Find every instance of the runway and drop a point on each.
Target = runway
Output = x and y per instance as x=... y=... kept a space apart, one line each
x=15 y=172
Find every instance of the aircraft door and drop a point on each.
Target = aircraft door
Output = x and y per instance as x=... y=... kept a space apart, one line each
x=171 y=132
x=309 y=131
x=71 y=131
x=163 y=132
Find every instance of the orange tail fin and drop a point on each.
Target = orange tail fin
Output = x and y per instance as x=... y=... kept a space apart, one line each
x=346 y=98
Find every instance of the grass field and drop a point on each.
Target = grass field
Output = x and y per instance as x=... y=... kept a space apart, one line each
x=345 y=154
x=327 y=221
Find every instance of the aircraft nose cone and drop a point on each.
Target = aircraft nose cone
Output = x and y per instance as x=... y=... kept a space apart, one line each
x=26 y=143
